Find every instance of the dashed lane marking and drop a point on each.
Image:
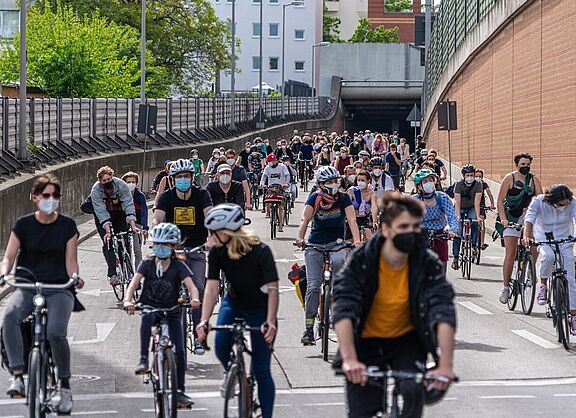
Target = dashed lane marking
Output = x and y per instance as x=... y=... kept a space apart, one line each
x=475 y=308
x=534 y=338
x=507 y=397
x=83 y=413
x=565 y=395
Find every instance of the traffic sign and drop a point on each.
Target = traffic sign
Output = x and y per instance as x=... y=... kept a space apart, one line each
x=415 y=115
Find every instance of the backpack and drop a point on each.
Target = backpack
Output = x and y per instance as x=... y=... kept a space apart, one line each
x=87 y=206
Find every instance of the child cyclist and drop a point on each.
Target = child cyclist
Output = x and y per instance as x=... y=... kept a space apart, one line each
x=163 y=273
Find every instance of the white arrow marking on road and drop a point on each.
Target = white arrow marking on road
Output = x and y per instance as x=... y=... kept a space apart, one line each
x=103 y=330
x=475 y=308
x=507 y=397
x=284 y=289
x=96 y=292
x=286 y=260
x=565 y=395
x=534 y=338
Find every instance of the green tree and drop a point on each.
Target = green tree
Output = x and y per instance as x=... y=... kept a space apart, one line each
x=186 y=37
x=73 y=57
x=398 y=6
x=330 y=27
x=365 y=33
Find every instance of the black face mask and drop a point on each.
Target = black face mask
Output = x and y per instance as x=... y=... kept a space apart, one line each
x=108 y=186
x=524 y=170
x=406 y=242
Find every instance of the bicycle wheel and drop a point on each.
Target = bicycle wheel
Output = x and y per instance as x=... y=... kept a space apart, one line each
x=562 y=311
x=127 y=274
x=235 y=393
x=34 y=391
x=469 y=262
x=463 y=263
x=273 y=221
x=169 y=399
x=513 y=296
x=528 y=284
x=287 y=210
x=325 y=321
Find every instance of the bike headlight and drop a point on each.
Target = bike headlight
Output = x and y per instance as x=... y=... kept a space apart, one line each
x=327 y=275
x=39 y=301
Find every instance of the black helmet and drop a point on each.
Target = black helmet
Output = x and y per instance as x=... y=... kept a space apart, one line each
x=557 y=193
x=376 y=161
x=468 y=168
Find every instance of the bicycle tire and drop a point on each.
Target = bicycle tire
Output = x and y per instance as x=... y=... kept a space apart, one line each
x=128 y=273
x=528 y=284
x=469 y=262
x=562 y=311
x=119 y=291
x=34 y=382
x=513 y=296
x=273 y=216
x=235 y=390
x=169 y=398
x=410 y=170
x=463 y=247
x=325 y=321
x=187 y=345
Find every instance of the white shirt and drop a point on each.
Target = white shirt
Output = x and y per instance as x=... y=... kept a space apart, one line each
x=275 y=175
x=546 y=218
x=377 y=185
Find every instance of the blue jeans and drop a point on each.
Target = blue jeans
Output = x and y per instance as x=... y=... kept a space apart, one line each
x=176 y=336
x=471 y=213
x=261 y=353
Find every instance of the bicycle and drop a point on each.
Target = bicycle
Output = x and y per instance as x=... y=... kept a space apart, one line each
x=481 y=228
x=558 y=308
x=434 y=236
x=42 y=381
x=254 y=190
x=120 y=244
x=305 y=174
x=324 y=322
x=238 y=387
x=273 y=197
x=162 y=371
x=288 y=205
x=523 y=280
x=466 y=247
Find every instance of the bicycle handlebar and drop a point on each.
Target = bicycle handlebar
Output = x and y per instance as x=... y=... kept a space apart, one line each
x=11 y=281
x=240 y=327
x=146 y=309
x=195 y=250
x=418 y=377
x=324 y=250
x=554 y=241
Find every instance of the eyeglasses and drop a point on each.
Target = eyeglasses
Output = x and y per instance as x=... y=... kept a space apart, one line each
x=55 y=195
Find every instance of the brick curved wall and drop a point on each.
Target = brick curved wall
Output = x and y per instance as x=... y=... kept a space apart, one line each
x=518 y=93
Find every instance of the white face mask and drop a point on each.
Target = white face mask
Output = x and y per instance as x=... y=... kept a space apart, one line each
x=194 y=157
x=561 y=208
x=429 y=187
x=377 y=172
x=469 y=180
x=131 y=186
x=478 y=179
x=230 y=161
x=351 y=178
x=362 y=185
x=225 y=179
x=332 y=188
x=48 y=206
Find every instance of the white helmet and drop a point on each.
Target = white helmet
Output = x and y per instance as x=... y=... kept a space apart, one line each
x=165 y=233
x=327 y=173
x=181 y=166
x=225 y=216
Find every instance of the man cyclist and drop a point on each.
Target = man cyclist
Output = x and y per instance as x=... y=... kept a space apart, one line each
x=305 y=157
x=392 y=307
x=276 y=178
x=393 y=163
x=224 y=189
x=381 y=181
x=553 y=212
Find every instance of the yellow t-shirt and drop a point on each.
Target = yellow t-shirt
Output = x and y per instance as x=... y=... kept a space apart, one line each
x=389 y=315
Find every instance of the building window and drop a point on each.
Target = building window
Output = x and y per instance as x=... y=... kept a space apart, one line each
x=274 y=31
x=256 y=1
x=273 y=1
x=256 y=30
x=299 y=34
x=9 y=23
x=256 y=63
x=299 y=66
x=274 y=63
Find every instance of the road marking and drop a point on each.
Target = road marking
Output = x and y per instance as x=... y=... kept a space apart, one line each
x=179 y=410
x=103 y=330
x=519 y=382
x=507 y=397
x=13 y=416
x=534 y=338
x=325 y=404
x=284 y=289
x=94 y=413
x=475 y=308
x=95 y=292
x=565 y=395
x=286 y=260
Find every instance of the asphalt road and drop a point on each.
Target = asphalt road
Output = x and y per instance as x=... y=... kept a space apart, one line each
x=510 y=365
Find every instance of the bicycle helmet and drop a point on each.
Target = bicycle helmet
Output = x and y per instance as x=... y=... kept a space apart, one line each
x=422 y=174
x=271 y=157
x=468 y=169
x=327 y=173
x=215 y=151
x=285 y=158
x=423 y=152
x=557 y=193
x=376 y=161
x=181 y=166
x=225 y=216
x=165 y=233
x=364 y=153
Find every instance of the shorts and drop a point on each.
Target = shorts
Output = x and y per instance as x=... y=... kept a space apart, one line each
x=511 y=232
x=364 y=221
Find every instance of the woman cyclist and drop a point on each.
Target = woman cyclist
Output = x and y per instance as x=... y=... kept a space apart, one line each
x=327 y=208
x=252 y=279
x=323 y=159
x=48 y=246
x=163 y=273
x=364 y=202
x=439 y=211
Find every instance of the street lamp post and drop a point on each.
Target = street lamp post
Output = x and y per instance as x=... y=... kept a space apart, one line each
x=233 y=69
x=260 y=123
x=22 y=154
x=294 y=3
x=143 y=86
x=313 y=68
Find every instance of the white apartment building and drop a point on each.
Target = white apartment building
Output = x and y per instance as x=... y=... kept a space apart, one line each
x=9 y=19
x=350 y=12
x=303 y=30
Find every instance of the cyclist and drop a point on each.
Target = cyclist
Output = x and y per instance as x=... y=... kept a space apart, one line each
x=364 y=202
x=439 y=213
x=198 y=167
x=186 y=206
x=295 y=145
x=224 y=189
x=368 y=138
x=379 y=146
x=554 y=211
x=163 y=273
x=276 y=178
x=421 y=159
x=516 y=192
x=45 y=242
x=293 y=184
x=438 y=165
x=113 y=211
x=483 y=207
x=467 y=197
x=213 y=161
x=392 y=307
x=327 y=208
x=283 y=150
x=131 y=179
x=251 y=275
x=243 y=156
x=159 y=176
x=305 y=157
x=238 y=174
x=343 y=160
x=364 y=158
x=348 y=178
x=381 y=181
x=393 y=163
x=404 y=150
x=356 y=145
x=323 y=159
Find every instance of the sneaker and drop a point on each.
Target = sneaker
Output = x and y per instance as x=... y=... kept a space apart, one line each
x=184 y=401
x=573 y=325
x=199 y=348
x=504 y=295
x=264 y=210
x=308 y=337
x=17 y=388
x=542 y=297
x=114 y=280
x=474 y=252
x=142 y=368
x=484 y=246
x=455 y=264
x=280 y=228
x=65 y=404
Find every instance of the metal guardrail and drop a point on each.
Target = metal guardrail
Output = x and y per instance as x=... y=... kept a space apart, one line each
x=60 y=129
x=454 y=20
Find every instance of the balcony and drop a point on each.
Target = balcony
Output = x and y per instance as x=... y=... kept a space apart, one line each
x=333 y=6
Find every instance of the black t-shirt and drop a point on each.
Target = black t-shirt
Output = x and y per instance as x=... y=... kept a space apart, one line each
x=43 y=246
x=235 y=193
x=239 y=173
x=245 y=276
x=187 y=214
x=244 y=158
x=162 y=292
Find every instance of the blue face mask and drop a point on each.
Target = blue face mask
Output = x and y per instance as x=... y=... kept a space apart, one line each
x=183 y=184
x=161 y=251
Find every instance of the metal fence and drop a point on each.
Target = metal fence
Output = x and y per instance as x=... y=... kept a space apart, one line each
x=454 y=20
x=63 y=128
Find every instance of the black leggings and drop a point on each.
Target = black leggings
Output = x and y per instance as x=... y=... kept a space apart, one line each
x=118 y=220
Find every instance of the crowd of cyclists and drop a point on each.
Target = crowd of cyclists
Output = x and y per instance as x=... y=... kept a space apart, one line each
x=391 y=304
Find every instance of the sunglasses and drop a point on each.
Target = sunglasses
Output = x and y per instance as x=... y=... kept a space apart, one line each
x=55 y=195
